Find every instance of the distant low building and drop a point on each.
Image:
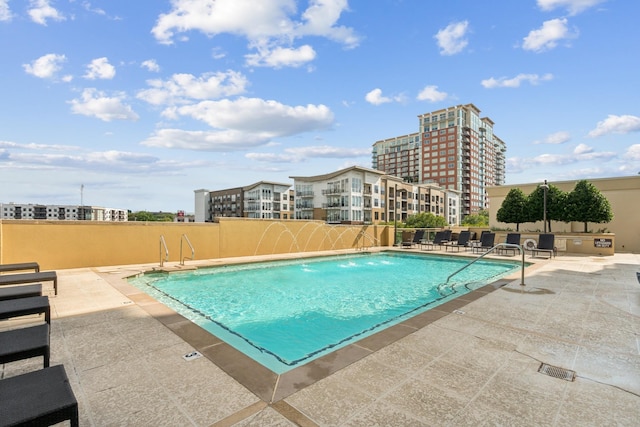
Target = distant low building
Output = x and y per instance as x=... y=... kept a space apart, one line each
x=264 y=199
x=61 y=212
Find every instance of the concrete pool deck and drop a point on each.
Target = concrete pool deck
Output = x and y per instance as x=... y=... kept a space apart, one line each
x=473 y=363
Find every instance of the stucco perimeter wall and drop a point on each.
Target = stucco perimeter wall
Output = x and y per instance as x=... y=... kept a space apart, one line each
x=623 y=194
x=75 y=244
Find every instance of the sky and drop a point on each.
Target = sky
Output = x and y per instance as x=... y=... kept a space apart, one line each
x=136 y=104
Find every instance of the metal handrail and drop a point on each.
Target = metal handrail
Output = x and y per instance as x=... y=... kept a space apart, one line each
x=363 y=234
x=166 y=251
x=193 y=251
x=506 y=245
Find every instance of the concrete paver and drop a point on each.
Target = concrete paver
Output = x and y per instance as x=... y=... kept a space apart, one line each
x=478 y=366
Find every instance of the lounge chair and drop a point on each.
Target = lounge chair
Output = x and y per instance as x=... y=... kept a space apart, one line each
x=440 y=239
x=512 y=239
x=417 y=238
x=486 y=242
x=462 y=242
x=20 y=291
x=26 y=306
x=38 y=398
x=42 y=276
x=545 y=245
x=20 y=267
x=24 y=343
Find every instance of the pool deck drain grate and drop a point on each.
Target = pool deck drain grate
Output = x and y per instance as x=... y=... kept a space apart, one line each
x=554 y=371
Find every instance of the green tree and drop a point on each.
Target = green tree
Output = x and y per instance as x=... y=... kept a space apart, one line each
x=425 y=220
x=513 y=208
x=481 y=219
x=587 y=204
x=151 y=216
x=556 y=205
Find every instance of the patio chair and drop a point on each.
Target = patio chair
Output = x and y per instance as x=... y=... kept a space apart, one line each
x=545 y=245
x=512 y=239
x=24 y=343
x=417 y=238
x=439 y=239
x=42 y=397
x=486 y=242
x=462 y=242
x=26 y=306
x=42 y=276
x=20 y=291
x=20 y=266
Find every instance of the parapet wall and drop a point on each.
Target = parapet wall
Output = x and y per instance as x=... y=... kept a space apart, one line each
x=76 y=244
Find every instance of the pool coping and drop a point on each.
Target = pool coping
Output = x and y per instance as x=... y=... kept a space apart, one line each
x=269 y=386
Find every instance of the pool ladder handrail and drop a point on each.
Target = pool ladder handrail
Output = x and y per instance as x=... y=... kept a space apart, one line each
x=363 y=234
x=193 y=251
x=499 y=245
x=166 y=251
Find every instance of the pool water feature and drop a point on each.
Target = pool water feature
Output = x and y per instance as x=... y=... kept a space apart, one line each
x=287 y=313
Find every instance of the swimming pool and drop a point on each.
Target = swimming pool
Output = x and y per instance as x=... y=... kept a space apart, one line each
x=286 y=313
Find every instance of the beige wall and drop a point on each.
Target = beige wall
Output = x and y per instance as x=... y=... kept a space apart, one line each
x=623 y=194
x=75 y=244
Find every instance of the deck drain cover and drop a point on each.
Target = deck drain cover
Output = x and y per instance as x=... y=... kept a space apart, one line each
x=191 y=356
x=554 y=371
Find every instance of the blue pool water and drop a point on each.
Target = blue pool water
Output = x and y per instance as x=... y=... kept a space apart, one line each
x=287 y=313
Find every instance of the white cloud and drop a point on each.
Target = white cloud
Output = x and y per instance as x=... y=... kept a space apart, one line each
x=616 y=124
x=582 y=149
x=266 y=23
x=182 y=87
x=94 y=103
x=279 y=57
x=633 y=153
x=151 y=65
x=451 y=39
x=555 y=138
x=431 y=94
x=573 y=6
x=5 y=12
x=100 y=68
x=260 y=116
x=240 y=124
x=547 y=37
x=533 y=79
x=46 y=66
x=300 y=154
x=581 y=153
x=375 y=97
x=225 y=141
x=41 y=10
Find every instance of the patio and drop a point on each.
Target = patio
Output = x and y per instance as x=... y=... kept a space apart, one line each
x=475 y=365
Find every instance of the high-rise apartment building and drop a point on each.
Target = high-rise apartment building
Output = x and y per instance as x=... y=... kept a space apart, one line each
x=454 y=148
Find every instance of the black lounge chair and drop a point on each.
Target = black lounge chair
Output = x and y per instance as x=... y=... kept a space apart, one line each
x=417 y=238
x=462 y=242
x=486 y=242
x=440 y=239
x=19 y=267
x=512 y=239
x=26 y=306
x=20 y=291
x=38 y=398
x=42 y=276
x=24 y=343
x=545 y=245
